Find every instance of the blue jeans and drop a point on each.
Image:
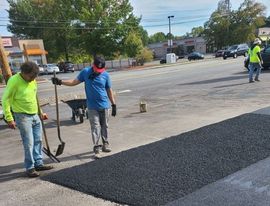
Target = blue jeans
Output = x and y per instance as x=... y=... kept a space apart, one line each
x=30 y=129
x=252 y=67
x=99 y=125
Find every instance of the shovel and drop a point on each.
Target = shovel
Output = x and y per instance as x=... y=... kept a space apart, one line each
x=61 y=146
x=46 y=149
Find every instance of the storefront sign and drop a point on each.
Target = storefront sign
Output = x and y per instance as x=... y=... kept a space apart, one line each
x=7 y=42
x=190 y=42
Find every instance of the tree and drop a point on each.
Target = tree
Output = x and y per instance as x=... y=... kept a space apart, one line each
x=267 y=22
x=133 y=44
x=197 y=31
x=157 y=37
x=236 y=26
x=96 y=26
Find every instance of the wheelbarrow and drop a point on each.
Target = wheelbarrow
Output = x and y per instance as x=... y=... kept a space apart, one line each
x=79 y=109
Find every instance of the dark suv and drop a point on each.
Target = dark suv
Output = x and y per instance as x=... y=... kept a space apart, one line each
x=236 y=50
x=66 y=67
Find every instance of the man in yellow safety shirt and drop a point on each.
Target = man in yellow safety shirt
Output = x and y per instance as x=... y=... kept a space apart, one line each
x=255 y=60
x=20 y=96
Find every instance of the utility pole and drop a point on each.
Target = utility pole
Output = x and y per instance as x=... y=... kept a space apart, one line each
x=25 y=53
x=4 y=62
x=170 y=35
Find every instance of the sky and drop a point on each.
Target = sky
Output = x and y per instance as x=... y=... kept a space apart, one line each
x=187 y=14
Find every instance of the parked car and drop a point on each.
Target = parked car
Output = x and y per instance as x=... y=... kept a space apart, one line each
x=195 y=55
x=50 y=68
x=163 y=60
x=15 y=70
x=265 y=57
x=236 y=50
x=41 y=69
x=66 y=66
x=219 y=53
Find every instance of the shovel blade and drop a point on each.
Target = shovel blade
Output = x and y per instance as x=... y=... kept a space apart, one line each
x=60 y=149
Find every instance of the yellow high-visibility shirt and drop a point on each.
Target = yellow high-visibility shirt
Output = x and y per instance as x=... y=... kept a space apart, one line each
x=20 y=96
x=253 y=56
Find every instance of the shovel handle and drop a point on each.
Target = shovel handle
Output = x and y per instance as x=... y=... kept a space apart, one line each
x=43 y=127
x=57 y=109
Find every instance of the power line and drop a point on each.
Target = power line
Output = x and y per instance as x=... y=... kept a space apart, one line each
x=101 y=28
x=91 y=21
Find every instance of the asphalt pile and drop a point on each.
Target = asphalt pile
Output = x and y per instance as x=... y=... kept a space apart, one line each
x=163 y=171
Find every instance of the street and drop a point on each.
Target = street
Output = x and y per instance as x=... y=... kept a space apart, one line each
x=179 y=97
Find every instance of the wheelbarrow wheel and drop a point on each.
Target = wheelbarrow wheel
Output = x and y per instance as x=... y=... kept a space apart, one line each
x=81 y=118
x=73 y=116
x=81 y=115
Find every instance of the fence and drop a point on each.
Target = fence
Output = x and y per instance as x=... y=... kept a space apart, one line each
x=111 y=65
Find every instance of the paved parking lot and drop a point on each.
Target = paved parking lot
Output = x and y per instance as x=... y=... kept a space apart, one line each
x=179 y=101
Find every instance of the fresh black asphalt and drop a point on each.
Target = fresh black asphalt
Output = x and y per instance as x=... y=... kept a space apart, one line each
x=163 y=171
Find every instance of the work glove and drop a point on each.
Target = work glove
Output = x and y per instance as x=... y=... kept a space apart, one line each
x=57 y=81
x=113 y=110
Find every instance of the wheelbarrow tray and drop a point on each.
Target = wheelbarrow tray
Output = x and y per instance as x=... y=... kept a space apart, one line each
x=78 y=107
x=76 y=103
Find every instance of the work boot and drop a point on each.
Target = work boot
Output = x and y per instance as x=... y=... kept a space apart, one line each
x=251 y=81
x=32 y=173
x=106 y=148
x=96 y=149
x=44 y=167
x=256 y=79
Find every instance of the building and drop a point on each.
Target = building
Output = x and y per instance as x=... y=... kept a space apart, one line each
x=17 y=49
x=179 y=47
x=264 y=34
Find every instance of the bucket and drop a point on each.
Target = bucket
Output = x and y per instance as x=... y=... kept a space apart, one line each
x=143 y=107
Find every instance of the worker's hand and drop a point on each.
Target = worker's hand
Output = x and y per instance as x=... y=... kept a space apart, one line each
x=57 y=81
x=261 y=62
x=113 y=110
x=12 y=124
x=44 y=116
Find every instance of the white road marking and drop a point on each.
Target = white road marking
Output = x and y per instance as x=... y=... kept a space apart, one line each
x=124 y=91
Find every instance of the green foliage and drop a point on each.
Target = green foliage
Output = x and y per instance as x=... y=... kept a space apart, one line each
x=133 y=44
x=77 y=58
x=223 y=28
x=145 y=55
x=197 y=31
x=267 y=22
x=157 y=37
x=96 y=26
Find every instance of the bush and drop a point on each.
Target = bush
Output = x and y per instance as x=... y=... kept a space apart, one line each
x=145 y=55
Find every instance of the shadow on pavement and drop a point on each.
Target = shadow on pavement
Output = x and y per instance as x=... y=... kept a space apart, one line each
x=68 y=122
x=7 y=171
x=210 y=81
x=11 y=176
x=231 y=85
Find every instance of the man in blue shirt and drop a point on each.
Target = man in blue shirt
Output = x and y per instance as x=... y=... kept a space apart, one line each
x=98 y=93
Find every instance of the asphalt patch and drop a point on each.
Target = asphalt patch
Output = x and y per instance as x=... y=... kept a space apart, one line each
x=163 y=171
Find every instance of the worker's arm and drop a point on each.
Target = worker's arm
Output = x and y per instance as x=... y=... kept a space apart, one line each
x=67 y=82
x=260 y=57
x=71 y=82
x=110 y=95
